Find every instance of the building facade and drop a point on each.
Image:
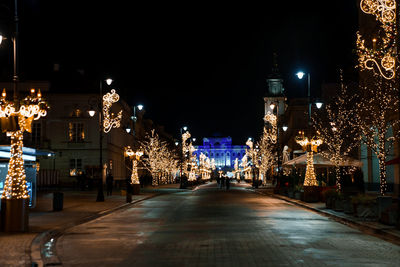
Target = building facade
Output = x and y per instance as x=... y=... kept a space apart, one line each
x=73 y=136
x=222 y=151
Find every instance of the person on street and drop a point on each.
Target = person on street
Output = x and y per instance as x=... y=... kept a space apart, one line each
x=222 y=182
x=228 y=183
x=109 y=183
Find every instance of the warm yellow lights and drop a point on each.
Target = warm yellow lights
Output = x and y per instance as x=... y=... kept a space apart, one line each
x=309 y=145
x=110 y=121
x=15 y=185
x=384 y=51
x=135 y=156
x=30 y=108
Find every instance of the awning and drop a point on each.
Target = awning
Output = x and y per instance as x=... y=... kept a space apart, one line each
x=393 y=161
x=28 y=154
x=321 y=161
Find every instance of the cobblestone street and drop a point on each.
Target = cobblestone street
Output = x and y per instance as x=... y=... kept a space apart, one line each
x=213 y=227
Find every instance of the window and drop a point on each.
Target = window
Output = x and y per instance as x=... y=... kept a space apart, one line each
x=75 y=167
x=233 y=154
x=76 y=132
x=36 y=133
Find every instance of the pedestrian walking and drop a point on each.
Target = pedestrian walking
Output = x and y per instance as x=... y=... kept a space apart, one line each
x=228 y=183
x=222 y=182
x=218 y=181
x=109 y=183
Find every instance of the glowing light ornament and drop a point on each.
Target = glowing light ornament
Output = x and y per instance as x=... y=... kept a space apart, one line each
x=110 y=121
x=135 y=156
x=31 y=108
x=309 y=145
x=15 y=185
x=383 y=57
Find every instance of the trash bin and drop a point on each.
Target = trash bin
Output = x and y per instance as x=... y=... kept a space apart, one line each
x=58 y=201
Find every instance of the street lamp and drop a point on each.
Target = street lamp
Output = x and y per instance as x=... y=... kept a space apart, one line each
x=134 y=117
x=318 y=104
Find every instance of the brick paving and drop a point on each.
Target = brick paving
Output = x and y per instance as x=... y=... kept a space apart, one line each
x=15 y=249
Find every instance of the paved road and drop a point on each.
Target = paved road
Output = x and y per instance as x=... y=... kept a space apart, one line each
x=211 y=227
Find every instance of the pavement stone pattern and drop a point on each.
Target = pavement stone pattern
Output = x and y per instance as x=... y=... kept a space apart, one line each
x=15 y=249
x=213 y=227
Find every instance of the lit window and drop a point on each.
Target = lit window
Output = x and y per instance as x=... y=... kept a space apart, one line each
x=76 y=132
x=75 y=167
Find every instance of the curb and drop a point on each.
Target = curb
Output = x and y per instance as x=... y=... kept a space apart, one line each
x=368 y=229
x=44 y=243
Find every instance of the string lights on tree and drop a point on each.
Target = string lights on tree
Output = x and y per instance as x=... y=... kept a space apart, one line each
x=377 y=120
x=268 y=144
x=156 y=156
x=336 y=130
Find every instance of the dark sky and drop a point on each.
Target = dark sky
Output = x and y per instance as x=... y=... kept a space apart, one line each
x=193 y=63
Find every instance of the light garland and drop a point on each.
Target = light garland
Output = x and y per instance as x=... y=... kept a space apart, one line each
x=383 y=58
x=110 y=121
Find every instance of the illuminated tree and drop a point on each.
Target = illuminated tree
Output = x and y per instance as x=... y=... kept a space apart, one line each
x=157 y=158
x=268 y=144
x=377 y=118
x=336 y=129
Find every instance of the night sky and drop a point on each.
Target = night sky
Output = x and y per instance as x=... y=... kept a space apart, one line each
x=193 y=63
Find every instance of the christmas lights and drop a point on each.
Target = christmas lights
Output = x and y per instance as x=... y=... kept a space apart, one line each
x=383 y=53
x=110 y=121
x=32 y=107
x=375 y=118
x=135 y=157
x=158 y=160
x=309 y=145
x=336 y=130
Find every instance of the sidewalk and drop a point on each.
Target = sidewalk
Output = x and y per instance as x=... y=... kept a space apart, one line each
x=20 y=249
x=387 y=232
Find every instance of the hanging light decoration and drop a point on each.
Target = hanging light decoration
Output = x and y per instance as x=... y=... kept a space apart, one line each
x=383 y=53
x=110 y=121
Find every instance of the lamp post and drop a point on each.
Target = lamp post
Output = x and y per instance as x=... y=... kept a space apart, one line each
x=15 y=196
x=134 y=117
x=106 y=123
